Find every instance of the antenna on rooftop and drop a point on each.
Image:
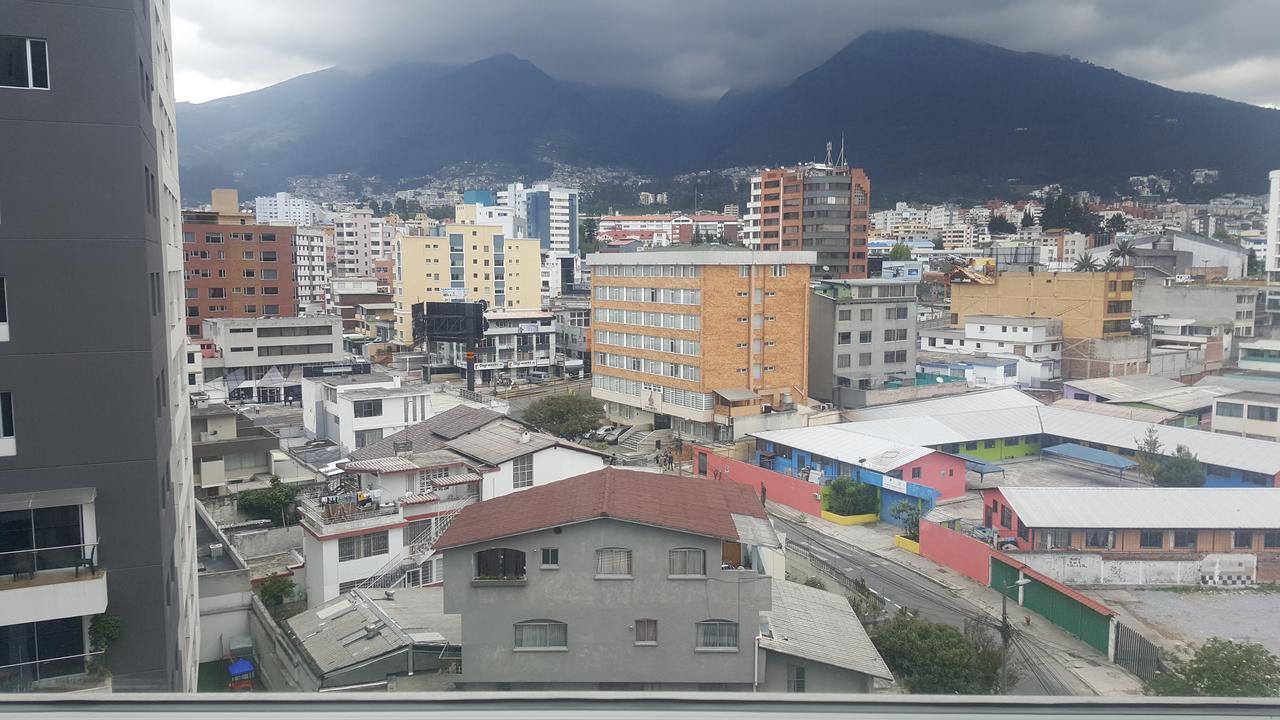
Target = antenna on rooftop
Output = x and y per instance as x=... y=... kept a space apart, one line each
x=841 y=162
x=828 y=152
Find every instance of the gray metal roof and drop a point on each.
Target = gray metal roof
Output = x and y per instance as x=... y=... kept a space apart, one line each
x=736 y=394
x=831 y=441
x=334 y=635
x=1146 y=508
x=501 y=442
x=1180 y=399
x=1147 y=415
x=820 y=626
x=1251 y=397
x=1124 y=387
x=433 y=433
x=1249 y=383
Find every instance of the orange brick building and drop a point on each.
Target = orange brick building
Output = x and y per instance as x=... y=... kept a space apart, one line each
x=816 y=207
x=698 y=338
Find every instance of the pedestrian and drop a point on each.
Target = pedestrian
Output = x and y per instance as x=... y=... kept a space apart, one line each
x=613 y=458
x=657 y=459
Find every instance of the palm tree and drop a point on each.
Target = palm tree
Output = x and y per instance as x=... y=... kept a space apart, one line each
x=1086 y=262
x=1124 y=251
x=1111 y=264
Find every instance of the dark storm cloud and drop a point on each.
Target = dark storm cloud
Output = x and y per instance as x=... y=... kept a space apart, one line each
x=701 y=48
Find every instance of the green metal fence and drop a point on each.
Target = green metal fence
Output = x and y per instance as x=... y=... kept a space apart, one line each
x=1055 y=606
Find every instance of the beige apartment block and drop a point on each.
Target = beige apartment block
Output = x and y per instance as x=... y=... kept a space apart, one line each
x=692 y=338
x=464 y=262
x=1091 y=305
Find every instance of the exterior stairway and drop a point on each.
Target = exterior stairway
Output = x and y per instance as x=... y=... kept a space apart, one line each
x=399 y=571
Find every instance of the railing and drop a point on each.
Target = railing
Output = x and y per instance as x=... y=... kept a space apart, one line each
x=21 y=676
x=396 y=572
x=319 y=514
x=26 y=564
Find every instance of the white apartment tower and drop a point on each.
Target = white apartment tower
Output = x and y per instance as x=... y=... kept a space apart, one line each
x=285 y=209
x=311 y=275
x=359 y=239
x=1273 y=226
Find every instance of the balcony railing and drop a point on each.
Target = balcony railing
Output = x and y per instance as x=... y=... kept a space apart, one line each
x=61 y=674
x=31 y=564
x=324 y=511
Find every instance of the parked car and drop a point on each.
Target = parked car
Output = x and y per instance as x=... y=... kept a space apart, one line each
x=598 y=435
x=538 y=376
x=613 y=436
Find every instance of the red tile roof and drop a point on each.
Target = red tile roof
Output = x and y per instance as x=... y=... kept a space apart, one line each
x=693 y=505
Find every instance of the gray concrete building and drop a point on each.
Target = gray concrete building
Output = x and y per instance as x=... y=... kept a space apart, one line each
x=861 y=333
x=626 y=580
x=95 y=468
x=1226 y=309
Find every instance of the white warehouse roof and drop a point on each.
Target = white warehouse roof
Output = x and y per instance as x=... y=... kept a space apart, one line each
x=830 y=441
x=1001 y=398
x=1146 y=508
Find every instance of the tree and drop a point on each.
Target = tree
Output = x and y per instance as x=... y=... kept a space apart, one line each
x=104 y=630
x=440 y=212
x=1221 y=235
x=900 y=252
x=1111 y=264
x=1221 y=668
x=999 y=225
x=270 y=503
x=275 y=589
x=929 y=657
x=1086 y=262
x=909 y=514
x=1027 y=219
x=1124 y=251
x=376 y=208
x=1256 y=266
x=587 y=236
x=1181 y=469
x=849 y=497
x=566 y=416
x=1117 y=223
x=814 y=582
x=1150 y=451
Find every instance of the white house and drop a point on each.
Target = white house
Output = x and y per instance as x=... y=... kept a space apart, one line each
x=376 y=526
x=355 y=411
x=1035 y=344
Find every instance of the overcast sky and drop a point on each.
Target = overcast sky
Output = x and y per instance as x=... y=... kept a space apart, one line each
x=701 y=48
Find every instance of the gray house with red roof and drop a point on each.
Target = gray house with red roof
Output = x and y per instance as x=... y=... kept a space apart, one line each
x=625 y=580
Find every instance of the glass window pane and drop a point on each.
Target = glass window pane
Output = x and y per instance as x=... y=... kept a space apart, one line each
x=39 y=65
x=13 y=61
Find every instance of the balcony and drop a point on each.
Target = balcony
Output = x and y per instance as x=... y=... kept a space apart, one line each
x=330 y=512
x=52 y=582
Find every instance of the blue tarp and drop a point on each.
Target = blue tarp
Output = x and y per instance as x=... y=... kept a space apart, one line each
x=1073 y=451
x=240 y=667
x=980 y=466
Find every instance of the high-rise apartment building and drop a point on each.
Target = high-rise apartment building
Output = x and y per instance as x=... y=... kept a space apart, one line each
x=96 y=501
x=464 y=262
x=1273 y=226
x=862 y=333
x=550 y=211
x=311 y=275
x=235 y=268
x=821 y=208
x=285 y=209
x=696 y=339
x=359 y=239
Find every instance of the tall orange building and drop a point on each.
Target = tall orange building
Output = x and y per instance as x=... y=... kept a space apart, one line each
x=700 y=339
x=818 y=207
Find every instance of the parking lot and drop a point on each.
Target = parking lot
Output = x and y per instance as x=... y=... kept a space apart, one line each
x=1174 y=617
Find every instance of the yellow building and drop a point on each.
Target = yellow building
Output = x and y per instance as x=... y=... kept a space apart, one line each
x=700 y=338
x=1091 y=305
x=464 y=262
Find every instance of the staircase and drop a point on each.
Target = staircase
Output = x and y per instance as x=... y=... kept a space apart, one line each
x=638 y=447
x=397 y=572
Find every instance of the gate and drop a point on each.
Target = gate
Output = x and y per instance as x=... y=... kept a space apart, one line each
x=1135 y=653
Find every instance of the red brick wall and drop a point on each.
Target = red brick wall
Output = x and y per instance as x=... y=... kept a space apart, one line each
x=228 y=257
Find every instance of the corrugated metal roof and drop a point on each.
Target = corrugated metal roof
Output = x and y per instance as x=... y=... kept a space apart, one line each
x=1180 y=399
x=831 y=441
x=381 y=465
x=501 y=442
x=997 y=399
x=1121 y=388
x=952 y=428
x=816 y=625
x=1146 y=508
x=1146 y=415
x=1249 y=383
x=1092 y=455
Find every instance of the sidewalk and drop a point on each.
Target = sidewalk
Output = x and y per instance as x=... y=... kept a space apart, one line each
x=1092 y=672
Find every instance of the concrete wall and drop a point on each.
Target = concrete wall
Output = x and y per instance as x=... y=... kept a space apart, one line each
x=818 y=677
x=600 y=613
x=224 y=611
x=549 y=465
x=267 y=541
x=792 y=492
x=1093 y=569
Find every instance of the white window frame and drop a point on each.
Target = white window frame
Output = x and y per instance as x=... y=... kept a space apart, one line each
x=680 y=562
x=611 y=560
x=522 y=471
x=646 y=632
x=528 y=640
x=718 y=632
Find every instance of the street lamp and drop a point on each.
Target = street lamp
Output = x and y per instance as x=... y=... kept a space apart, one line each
x=1006 y=633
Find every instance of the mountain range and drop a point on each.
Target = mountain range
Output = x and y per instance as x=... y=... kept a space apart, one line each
x=928 y=116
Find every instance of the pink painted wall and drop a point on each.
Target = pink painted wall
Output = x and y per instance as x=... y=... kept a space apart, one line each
x=991 y=518
x=792 y=492
x=940 y=471
x=965 y=555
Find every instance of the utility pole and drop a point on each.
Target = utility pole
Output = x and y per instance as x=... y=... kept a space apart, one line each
x=1006 y=634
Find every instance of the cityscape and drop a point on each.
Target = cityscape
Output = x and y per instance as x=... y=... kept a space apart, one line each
x=421 y=424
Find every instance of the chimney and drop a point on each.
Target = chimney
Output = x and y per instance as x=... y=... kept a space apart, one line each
x=525 y=437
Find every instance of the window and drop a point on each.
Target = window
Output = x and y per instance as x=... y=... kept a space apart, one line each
x=844 y=315
x=550 y=558
x=367 y=408
x=1184 y=539
x=1262 y=412
x=365 y=438
x=499 y=564
x=1271 y=539
x=1006 y=517
x=416 y=531
x=362 y=546
x=24 y=63
x=795 y=678
x=646 y=632
x=1059 y=538
x=614 y=562
x=864 y=337
x=247 y=255
x=522 y=471
x=915 y=473
x=715 y=634
x=988 y=444
x=779 y=271
x=269 y=256
x=844 y=360
x=6 y=415
x=1151 y=539
x=1099 y=538
x=844 y=338
x=1242 y=540
x=687 y=561
x=542 y=635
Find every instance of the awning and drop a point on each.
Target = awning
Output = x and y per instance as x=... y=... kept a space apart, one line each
x=47 y=499
x=980 y=466
x=737 y=394
x=1072 y=451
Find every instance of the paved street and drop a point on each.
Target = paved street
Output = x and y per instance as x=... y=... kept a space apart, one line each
x=522 y=396
x=1049 y=662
